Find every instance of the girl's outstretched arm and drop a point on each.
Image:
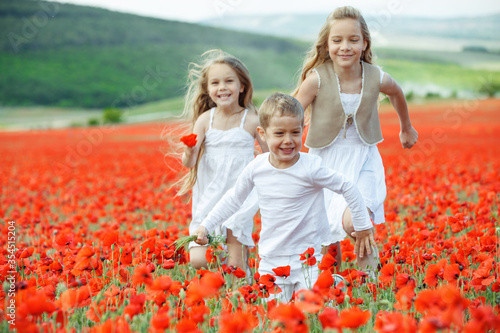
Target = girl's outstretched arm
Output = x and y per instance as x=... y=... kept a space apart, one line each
x=308 y=90
x=408 y=135
x=190 y=154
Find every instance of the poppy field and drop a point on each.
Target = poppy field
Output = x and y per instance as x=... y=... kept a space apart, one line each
x=89 y=217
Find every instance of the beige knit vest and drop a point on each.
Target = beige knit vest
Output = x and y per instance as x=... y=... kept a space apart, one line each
x=327 y=114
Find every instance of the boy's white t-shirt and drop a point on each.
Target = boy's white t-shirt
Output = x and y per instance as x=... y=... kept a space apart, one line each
x=291 y=204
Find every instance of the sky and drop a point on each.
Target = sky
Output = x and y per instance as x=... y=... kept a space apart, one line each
x=198 y=10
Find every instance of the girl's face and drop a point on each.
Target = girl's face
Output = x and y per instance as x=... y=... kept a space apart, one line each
x=345 y=42
x=223 y=86
x=284 y=139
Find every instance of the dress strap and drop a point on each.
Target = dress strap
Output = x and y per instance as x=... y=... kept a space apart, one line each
x=243 y=119
x=212 y=111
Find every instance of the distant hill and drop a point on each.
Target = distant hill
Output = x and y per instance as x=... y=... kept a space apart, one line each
x=480 y=31
x=66 y=55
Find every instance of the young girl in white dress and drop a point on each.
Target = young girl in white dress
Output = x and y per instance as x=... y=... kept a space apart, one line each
x=342 y=86
x=219 y=104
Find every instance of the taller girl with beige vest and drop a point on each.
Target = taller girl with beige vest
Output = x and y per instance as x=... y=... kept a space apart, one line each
x=342 y=86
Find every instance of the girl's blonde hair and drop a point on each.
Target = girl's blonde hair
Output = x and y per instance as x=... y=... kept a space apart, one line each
x=198 y=101
x=318 y=54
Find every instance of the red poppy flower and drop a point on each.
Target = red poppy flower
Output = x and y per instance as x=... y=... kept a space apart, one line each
x=283 y=271
x=197 y=313
x=187 y=326
x=162 y=283
x=308 y=301
x=38 y=303
x=142 y=274
x=323 y=283
x=404 y=298
x=394 y=322
x=484 y=319
x=404 y=279
x=387 y=273
x=168 y=264
x=109 y=238
x=160 y=321
x=327 y=262
x=289 y=317
x=308 y=256
x=329 y=318
x=451 y=273
x=112 y=291
x=189 y=140
x=239 y=321
x=267 y=280
x=433 y=275
x=26 y=252
x=354 y=317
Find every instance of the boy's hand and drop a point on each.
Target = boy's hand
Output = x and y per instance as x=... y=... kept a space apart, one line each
x=408 y=137
x=202 y=233
x=364 y=242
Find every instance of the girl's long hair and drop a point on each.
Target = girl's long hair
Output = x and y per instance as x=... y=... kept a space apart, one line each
x=318 y=54
x=198 y=101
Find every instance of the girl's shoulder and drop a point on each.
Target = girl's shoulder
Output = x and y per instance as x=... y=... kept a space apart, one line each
x=311 y=83
x=205 y=116
x=203 y=120
x=252 y=119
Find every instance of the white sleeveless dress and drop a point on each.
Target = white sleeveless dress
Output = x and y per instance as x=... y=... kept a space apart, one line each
x=360 y=163
x=226 y=154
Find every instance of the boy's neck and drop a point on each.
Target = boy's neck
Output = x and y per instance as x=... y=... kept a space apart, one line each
x=283 y=165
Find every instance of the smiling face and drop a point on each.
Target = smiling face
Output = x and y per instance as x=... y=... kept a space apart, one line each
x=345 y=42
x=223 y=86
x=284 y=139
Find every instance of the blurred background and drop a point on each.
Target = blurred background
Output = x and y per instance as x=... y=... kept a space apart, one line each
x=89 y=62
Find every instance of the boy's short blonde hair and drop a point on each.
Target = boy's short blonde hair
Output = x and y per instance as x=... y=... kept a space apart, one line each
x=279 y=104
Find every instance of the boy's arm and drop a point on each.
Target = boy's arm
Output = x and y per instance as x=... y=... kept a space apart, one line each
x=227 y=205
x=408 y=134
x=338 y=183
x=361 y=222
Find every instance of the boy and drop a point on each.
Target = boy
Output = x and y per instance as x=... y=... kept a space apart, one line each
x=290 y=189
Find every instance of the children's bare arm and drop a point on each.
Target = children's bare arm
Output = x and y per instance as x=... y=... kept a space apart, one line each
x=202 y=233
x=253 y=123
x=190 y=154
x=262 y=144
x=308 y=90
x=408 y=135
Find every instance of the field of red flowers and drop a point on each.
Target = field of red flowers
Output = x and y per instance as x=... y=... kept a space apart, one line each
x=89 y=218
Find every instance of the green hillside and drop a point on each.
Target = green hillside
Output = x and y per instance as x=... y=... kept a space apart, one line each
x=62 y=55
x=73 y=56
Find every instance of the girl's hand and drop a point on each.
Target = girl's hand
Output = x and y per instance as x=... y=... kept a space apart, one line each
x=188 y=151
x=408 y=137
x=189 y=140
x=202 y=233
x=364 y=242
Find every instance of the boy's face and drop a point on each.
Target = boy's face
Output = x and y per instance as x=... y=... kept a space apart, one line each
x=284 y=139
